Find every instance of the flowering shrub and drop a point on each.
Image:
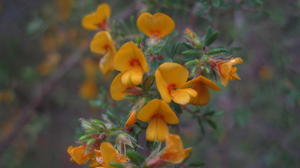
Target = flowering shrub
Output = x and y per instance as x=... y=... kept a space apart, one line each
x=161 y=75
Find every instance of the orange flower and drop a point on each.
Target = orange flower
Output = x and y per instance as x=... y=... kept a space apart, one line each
x=131 y=61
x=110 y=154
x=201 y=85
x=170 y=81
x=88 y=89
x=158 y=113
x=227 y=71
x=174 y=151
x=97 y=20
x=78 y=154
x=102 y=43
x=155 y=26
x=131 y=119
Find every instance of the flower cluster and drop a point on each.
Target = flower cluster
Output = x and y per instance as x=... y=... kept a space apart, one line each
x=154 y=90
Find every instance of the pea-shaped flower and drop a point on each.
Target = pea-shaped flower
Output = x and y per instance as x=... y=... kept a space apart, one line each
x=102 y=43
x=201 y=85
x=131 y=61
x=155 y=26
x=97 y=20
x=170 y=81
x=78 y=154
x=227 y=71
x=174 y=152
x=158 y=113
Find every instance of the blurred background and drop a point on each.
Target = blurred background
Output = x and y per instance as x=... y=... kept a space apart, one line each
x=44 y=87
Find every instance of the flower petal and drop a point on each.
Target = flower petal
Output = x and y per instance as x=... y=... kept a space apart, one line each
x=162 y=87
x=109 y=154
x=174 y=151
x=167 y=113
x=203 y=95
x=78 y=154
x=106 y=63
x=89 y=21
x=136 y=76
x=202 y=79
x=117 y=88
x=180 y=96
x=131 y=119
x=157 y=130
x=157 y=25
x=173 y=73
x=102 y=43
x=126 y=54
x=103 y=12
x=149 y=110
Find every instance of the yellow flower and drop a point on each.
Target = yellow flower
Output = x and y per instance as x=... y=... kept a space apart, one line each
x=201 y=85
x=78 y=154
x=131 y=119
x=155 y=26
x=102 y=43
x=110 y=154
x=97 y=20
x=90 y=67
x=131 y=61
x=117 y=88
x=158 y=113
x=174 y=151
x=227 y=71
x=88 y=89
x=170 y=81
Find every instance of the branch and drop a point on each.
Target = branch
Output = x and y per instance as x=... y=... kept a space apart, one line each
x=40 y=94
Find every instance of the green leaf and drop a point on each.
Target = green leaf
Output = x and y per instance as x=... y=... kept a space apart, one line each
x=212 y=124
x=211 y=38
x=84 y=137
x=91 y=141
x=217 y=51
x=188 y=45
x=135 y=157
x=116 y=164
x=91 y=131
x=197 y=164
x=191 y=52
x=98 y=123
x=192 y=63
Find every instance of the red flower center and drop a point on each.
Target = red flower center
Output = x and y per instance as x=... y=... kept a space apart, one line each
x=106 y=47
x=134 y=62
x=171 y=87
x=102 y=25
x=155 y=33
